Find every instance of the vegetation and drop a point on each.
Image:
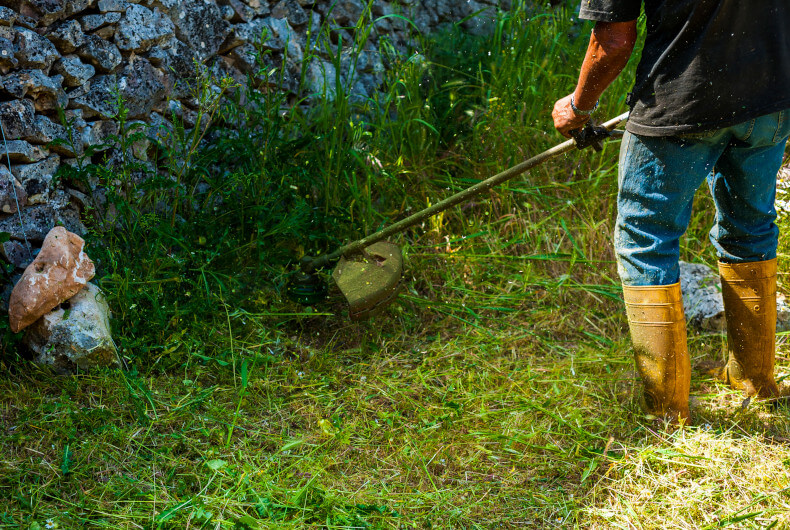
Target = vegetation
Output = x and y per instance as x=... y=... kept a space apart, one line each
x=498 y=391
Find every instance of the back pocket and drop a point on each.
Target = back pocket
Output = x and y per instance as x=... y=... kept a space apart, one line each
x=782 y=126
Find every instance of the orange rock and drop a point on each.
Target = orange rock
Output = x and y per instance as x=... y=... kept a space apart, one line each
x=59 y=271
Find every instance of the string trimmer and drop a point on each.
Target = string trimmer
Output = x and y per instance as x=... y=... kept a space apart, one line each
x=368 y=270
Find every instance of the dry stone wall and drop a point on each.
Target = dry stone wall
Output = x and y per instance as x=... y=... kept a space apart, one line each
x=72 y=56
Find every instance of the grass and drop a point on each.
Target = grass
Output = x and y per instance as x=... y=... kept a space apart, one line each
x=497 y=392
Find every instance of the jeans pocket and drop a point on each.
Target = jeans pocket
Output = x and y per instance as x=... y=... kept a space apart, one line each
x=782 y=126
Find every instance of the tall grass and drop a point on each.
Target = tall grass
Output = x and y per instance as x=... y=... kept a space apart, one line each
x=497 y=391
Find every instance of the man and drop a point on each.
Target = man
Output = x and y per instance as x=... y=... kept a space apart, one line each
x=710 y=100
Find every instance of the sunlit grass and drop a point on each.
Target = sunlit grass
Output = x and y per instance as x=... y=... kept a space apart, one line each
x=498 y=391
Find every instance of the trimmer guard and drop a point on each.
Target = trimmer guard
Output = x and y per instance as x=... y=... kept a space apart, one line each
x=370 y=280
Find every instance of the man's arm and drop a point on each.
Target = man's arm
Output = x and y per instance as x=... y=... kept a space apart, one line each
x=611 y=44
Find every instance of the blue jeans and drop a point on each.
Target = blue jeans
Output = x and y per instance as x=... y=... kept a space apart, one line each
x=657 y=181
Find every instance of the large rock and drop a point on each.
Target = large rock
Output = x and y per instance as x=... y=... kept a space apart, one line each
x=291 y=11
x=47 y=92
x=44 y=131
x=141 y=88
x=74 y=71
x=36 y=178
x=703 y=303
x=102 y=54
x=22 y=151
x=7 y=52
x=93 y=22
x=12 y=194
x=99 y=134
x=59 y=272
x=17 y=117
x=201 y=26
x=98 y=101
x=67 y=36
x=75 y=335
x=34 y=51
x=140 y=29
x=45 y=12
x=39 y=219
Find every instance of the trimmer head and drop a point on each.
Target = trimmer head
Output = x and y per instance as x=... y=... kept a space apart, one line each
x=370 y=280
x=306 y=288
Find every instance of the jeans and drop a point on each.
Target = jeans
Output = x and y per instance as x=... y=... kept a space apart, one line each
x=658 y=178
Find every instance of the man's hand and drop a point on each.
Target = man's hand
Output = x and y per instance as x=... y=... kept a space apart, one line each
x=565 y=120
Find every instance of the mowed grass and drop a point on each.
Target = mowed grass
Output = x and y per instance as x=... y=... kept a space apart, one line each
x=498 y=392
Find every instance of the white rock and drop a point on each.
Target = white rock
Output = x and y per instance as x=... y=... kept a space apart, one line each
x=75 y=334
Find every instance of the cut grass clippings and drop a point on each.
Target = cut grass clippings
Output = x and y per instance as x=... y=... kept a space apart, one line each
x=529 y=425
x=498 y=391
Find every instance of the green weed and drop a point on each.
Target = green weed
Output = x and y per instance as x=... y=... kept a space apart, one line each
x=497 y=392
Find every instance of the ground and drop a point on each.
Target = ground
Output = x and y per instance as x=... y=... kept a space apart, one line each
x=516 y=420
x=498 y=391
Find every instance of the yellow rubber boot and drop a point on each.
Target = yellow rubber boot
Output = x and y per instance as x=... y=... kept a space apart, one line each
x=658 y=333
x=749 y=292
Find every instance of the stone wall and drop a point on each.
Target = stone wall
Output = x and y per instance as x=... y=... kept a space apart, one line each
x=73 y=55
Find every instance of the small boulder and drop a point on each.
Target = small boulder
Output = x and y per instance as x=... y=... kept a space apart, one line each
x=36 y=178
x=22 y=151
x=17 y=254
x=7 y=16
x=67 y=36
x=7 y=52
x=241 y=11
x=45 y=12
x=38 y=219
x=259 y=7
x=12 y=194
x=108 y=6
x=94 y=22
x=59 y=272
x=47 y=92
x=34 y=51
x=140 y=85
x=98 y=100
x=201 y=26
x=17 y=118
x=44 y=131
x=75 y=334
x=141 y=29
x=74 y=71
x=104 y=55
x=291 y=11
x=99 y=134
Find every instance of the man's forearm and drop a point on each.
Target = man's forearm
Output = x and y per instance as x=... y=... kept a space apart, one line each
x=611 y=45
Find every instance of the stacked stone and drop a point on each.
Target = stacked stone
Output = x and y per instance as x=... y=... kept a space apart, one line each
x=78 y=56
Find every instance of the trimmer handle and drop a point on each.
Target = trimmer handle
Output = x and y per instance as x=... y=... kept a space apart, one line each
x=590 y=136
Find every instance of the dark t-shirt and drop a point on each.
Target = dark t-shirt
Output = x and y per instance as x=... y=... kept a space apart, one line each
x=706 y=64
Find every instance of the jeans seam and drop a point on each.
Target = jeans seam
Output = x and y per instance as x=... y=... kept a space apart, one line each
x=779 y=126
x=750 y=131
